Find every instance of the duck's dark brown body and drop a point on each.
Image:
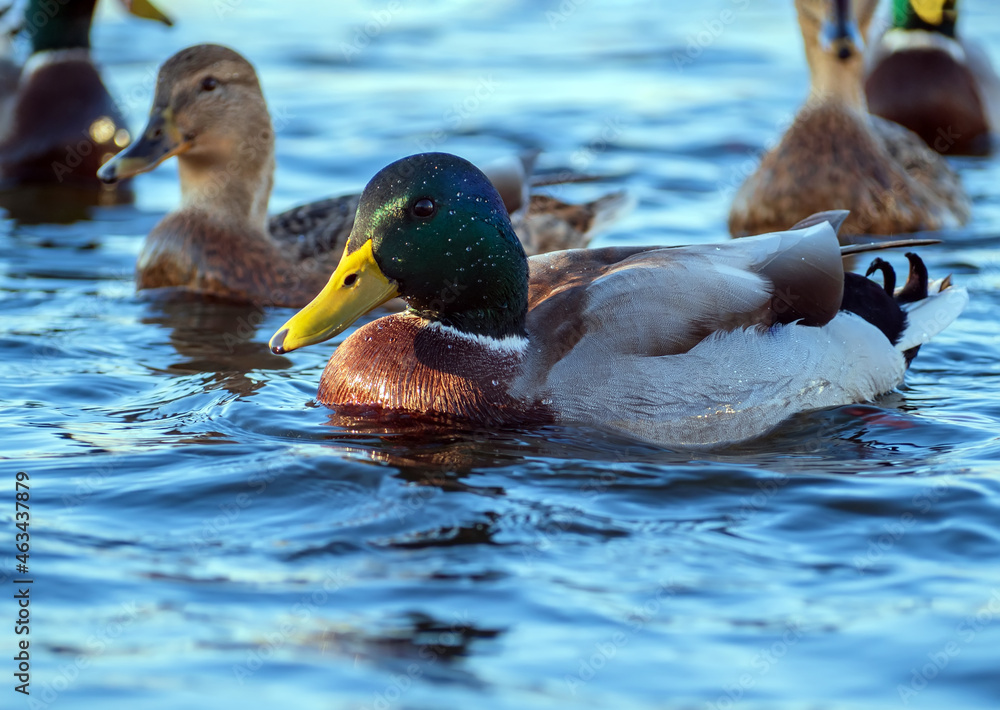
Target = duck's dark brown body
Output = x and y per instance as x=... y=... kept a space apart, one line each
x=198 y=254
x=935 y=96
x=834 y=156
x=49 y=138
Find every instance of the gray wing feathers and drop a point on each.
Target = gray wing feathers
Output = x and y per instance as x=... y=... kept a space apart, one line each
x=685 y=345
x=665 y=301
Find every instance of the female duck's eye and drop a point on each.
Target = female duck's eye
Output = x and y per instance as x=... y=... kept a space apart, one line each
x=424 y=207
x=209 y=83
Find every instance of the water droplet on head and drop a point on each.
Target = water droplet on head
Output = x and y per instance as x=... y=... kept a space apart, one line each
x=468 y=248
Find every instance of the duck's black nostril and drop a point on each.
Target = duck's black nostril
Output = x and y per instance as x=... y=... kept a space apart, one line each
x=844 y=53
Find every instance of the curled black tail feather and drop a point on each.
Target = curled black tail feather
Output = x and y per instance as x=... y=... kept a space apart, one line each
x=888 y=274
x=880 y=306
x=915 y=288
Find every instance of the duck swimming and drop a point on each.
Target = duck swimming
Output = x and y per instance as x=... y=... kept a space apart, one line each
x=835 y=154
x=688 y=346
x=922 y=75
x=59 y=123
x=209 y=111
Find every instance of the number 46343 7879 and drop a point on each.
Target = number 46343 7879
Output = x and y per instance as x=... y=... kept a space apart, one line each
x=23 y=515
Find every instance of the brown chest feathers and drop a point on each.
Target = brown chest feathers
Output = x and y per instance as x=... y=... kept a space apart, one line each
x=212 y=259
x=402 y=363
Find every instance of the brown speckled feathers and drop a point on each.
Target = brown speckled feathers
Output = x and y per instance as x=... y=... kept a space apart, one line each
x=835 y=158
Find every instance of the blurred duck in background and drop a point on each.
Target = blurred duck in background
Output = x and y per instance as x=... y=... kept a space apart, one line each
x=58 y=123
x=922 y=75
x=836 y=155
x=209 y=112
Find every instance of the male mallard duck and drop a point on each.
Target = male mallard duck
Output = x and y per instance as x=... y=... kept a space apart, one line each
x=835 y=154
x=61 y=124
x=209 y=111
x=689 y=346
x=923 y=76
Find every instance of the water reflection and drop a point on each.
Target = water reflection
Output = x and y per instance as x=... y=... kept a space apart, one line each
x=413 y=645
x=61 y=204
x=215 y=338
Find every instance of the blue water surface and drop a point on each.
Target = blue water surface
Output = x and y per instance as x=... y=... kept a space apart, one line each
x=203 y=537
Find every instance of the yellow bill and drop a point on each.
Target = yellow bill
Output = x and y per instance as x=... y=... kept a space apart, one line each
x=147 y=10
x=161 y=139
x=356 y=287
x=930 y=11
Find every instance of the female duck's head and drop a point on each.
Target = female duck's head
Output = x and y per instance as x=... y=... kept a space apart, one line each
x=431 y=229
x=209 y=111
x=834 y=33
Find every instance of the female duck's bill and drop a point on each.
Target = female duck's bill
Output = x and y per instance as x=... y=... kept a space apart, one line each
x=687 y=346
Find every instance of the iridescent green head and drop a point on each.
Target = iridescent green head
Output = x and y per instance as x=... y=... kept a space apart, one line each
x=65 y=24
x=431 y=229
x=929 y=15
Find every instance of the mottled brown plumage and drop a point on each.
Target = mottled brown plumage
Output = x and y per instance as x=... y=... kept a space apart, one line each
x=214 y=259
x=836 y=155
x=217 y=242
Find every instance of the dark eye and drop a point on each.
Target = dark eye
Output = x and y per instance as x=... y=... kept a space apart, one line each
x=209 y=83
x=350 y=279
x=424 y=207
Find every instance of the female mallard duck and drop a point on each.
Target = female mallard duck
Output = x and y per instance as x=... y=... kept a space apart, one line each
x=923 y=76
x=689 y=346
x=836 y=154
x=209 y=111
x=60 y=124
